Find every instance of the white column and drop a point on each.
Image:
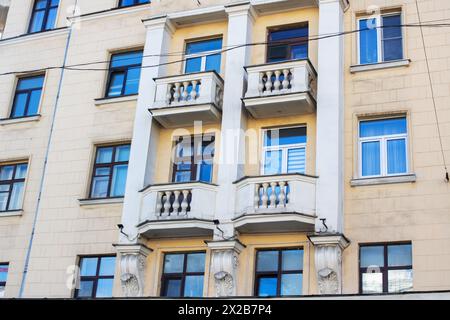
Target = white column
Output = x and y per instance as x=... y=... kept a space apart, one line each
x=330 y=116
x=145 y=136
x=232 y=149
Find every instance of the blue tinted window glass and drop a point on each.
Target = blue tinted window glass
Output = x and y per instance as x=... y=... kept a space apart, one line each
x=37 y=21
x=86 y=288
x=126 y=59
x=193 y=65
x=392 y=38
x=291 y=284
x=33 y=104
x=392 y=27
x=371 y=159
x=30 y=83
x=213 y=63
x=19 y=105
x=116 y=84
x=203 y=46
x=193 y=286
x=104 y=288
x=396 y=156
x=126 y=3
x=287 y=34
x=285 y=136
x=273 y=162
x=89 y=266
x=393 y=49
x=173 y=263
x=107 y=266
x=41 y=4
x=372 y=256
x=368 y=41
x=206 y=172
x=300 y=52
x=173 y=288
x=104 y=155
x=399 y=255
x=296 y=160
x=51 y=19
x=3 y=272
x=267 y=287
x=382 y=127
x=119 y=180
x=132 y=84
x=196 y=262
x=292 y=260
x=267 y=261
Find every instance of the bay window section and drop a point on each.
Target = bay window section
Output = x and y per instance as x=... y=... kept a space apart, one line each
x=383 y=147
x=110 y=172
x=284 y=151
x=12 y=186
x=183 y=275
x=203 y=55
x=386 y=268
x=193 y=161
x=380 y=38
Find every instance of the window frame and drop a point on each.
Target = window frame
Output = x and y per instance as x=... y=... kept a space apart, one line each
x=384 y=269
x=119 y=70
x=284 y=149
x=3 y=283
x=46 y=10
x=194 y=166
x=279 y=273
x=11 y=184
x=383 y=148
x=203 y=55
x=380 y=41
x=135 y=3
x=95 y=278
x=182 y=276
x=18 y=91
x=289 y=43
x=109 y=165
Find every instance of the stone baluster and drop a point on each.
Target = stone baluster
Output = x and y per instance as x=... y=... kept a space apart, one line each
x=176 y=94
x=282 y=195
x=184 y=203
x=273 y=195
x=269 y=83
x=277 y=83
x=167 y=204
x=265 y=196
x=159 y=205
x=194 y=90
x=286 y=81
x=176 y=203
x=169 y=93
x=261 y=83
x=185 y=93
x=257 y=195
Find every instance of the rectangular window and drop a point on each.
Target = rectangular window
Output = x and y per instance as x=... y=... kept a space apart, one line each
x=44 y=15
x=27 y=97
x=3 y=277
x=287 y=44
x=380 y=38
x=124 y=74
x=203 y=56
x=386 y=268
x=383 y=147
x=284 y=151
x=279 y=273
x=110 y=172
x=183 y=275
x=12 y=185
x=127 y=3
x=193 y=161
x=96 y=277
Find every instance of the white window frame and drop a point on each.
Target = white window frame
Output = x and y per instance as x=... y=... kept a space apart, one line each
x=284 y=149
x=380 y=42
x=203 y=55
x=383 y=140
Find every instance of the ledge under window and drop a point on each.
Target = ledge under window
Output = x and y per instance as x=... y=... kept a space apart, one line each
x=110 y=100
x=407 y=178
x=95 y=202
x=12 y=213
x=7 y=121
x=380 y=65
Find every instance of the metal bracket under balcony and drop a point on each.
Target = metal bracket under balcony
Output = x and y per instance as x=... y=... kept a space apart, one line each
x=178 y=210
x=279 y=203
x=281 y=89
x=182 y=100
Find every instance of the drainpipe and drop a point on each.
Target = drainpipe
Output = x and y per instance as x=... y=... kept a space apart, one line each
x=44 y=170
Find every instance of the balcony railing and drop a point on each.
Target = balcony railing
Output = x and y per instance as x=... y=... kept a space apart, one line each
x=180 y=100
x=170 y=209
x=285 y=88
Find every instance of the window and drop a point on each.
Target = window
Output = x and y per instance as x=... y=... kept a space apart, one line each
x=380 y=39
x=3 y=277
x=27 y=97
x=284 y=151
x=194 y=159
x=279 y=273
x=44 y=15
x=96 y=277
x=183 y=275
x=386 y=268
x=110 y=171
x=287 y=44
x=12 y=185
x=383 y=147
x=124 y=74
x=127 y=3
x=203 y=55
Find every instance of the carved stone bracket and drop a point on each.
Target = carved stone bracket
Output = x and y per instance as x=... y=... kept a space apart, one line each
x=224 y=262
x=328 y=261
x=133 y=259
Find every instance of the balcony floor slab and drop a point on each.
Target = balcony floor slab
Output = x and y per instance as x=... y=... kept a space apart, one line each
x=275 y=223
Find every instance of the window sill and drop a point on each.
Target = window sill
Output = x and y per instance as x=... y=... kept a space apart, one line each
x=13 y=213
x=380 y=66
x=111 y=100
x=407 y=178
x=95 y=202
x=8 y=121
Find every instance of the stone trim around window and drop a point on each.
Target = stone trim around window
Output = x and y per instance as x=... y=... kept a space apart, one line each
x=380 y=65
x=10 y=121
x=102 y=201
x=407 y=178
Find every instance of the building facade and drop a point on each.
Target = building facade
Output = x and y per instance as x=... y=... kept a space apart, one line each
x=220 y=148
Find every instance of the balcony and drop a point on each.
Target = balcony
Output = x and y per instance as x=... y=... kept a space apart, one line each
x=178 y=210
x=280 y=203
x=281 y=89
x=181 y=100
